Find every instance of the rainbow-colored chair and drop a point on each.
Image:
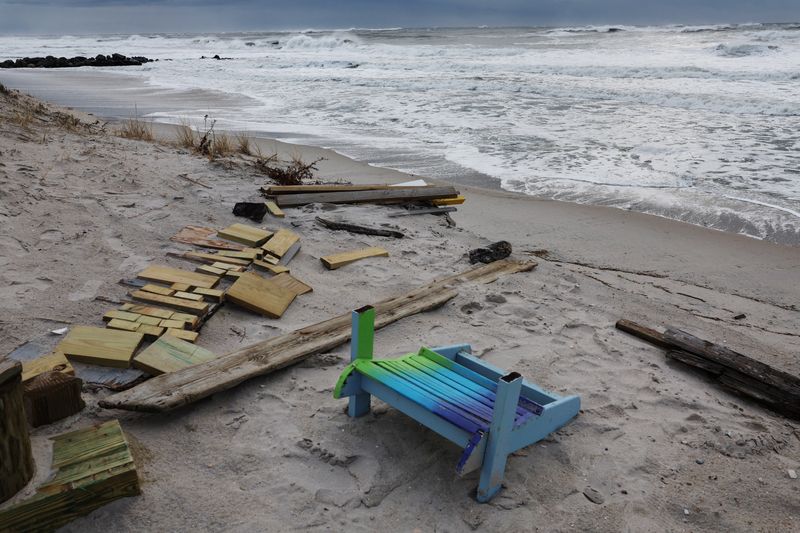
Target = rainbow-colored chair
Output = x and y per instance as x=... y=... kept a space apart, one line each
x=488 y=412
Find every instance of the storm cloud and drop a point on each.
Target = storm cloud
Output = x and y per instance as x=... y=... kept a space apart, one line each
x=100 y=16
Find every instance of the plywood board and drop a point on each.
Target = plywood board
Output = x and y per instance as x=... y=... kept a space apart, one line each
x=280 y=243
x=168 y=354
x=272 y=269
x=147 y=310
x=118 y=323
x=273 y=209
x=244 y=234
x=259 y=294
x=214 y=258
x=208 y=269
x=55 y=361
x=158 y=289
x=200 y=236
x=287 y=281
x=198 y=308
x=214 y=295
x=100 y=346
x=189 y=296
x=175 y=275
x=188 y=336
x=332 y=262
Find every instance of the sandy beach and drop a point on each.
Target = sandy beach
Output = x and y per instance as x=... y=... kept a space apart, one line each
x=665 y=447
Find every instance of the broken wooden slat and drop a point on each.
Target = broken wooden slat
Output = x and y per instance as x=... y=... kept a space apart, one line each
x=100 y=346
x=175 y=275
x=16 y=458
x=122 y=315
x=424 y=211
x=355 y=228
x=334 y=261
x=118 y=323
x=189 y=296
x=189 y=336
x=643 y=332
x=150 y=332
x=390 y=195
x=273 y=209
x=198 y=308
x=51 y=396
x=150 y=320
x=158 y=289
x=169 y=354
x=276 y=190
x=200 y=236
x=91 y=467
x=203 y=257
x=280 y=243
x=180 y=286
x=145 y=310
x=458 y=200
x=183 y=387
x=176 y=324
x=248 y=254
x=272 y=269
x=259 y=294
x=287 y=281
x=233 y=274
x=208 y=269
x=55 y=361
x=244 y=234
x=288 y=256
x=214 y=295
x=228 y=267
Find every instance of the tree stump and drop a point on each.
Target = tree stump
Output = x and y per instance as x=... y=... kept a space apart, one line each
x=16 y=459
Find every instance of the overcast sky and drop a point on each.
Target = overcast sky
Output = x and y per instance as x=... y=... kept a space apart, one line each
x=140 y=16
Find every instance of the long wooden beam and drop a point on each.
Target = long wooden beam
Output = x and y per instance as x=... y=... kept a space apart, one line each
x=392 y=195
x=176 y=389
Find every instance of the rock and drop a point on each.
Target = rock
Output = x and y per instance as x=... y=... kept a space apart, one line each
x=593 y=495
x=255 y=211
x=100 y=60
x=699 y=461
x=496 y=298
x=493 y=252
x=792 y=474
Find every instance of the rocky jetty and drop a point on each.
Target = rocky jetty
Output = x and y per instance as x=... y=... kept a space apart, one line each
x=113 y=60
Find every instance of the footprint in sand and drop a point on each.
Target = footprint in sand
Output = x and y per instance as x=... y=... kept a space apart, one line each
x=87 y=292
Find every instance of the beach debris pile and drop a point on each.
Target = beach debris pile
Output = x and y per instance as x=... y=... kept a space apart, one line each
x=100 y=60
x=749 y=377
x=493 y=252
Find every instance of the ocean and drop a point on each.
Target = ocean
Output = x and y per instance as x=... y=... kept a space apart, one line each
x=695 y=123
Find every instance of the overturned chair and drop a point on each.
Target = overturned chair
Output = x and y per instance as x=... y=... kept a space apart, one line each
x=488 y=412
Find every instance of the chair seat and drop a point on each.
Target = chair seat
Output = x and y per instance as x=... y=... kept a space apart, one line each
x=448 y=390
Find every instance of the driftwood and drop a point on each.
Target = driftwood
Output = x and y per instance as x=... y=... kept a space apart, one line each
x=51 y=396
x=391 y=195
x=355 y=228
x=16 y=460
x=425 y=211
x=773 y=387
x=275 y=190
x=176 y=389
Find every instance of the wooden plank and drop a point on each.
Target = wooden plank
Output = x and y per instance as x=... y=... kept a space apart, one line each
x=51 y=396
x=458 y=200
x=16 y=460
x=54 y=362
x=208 y=269
x=289 y=255
x=150 y=332
x=180 y=286
x=276 y=190
x=428 y=211
x=170 y=391
x=177 y=324
x=198 y=308
x=92 y=467
x=211 y=259
x=122 y=315
x=188 y=336
x=280 y=243
x=100 y=346
x=643 y=332
x=248 y=254
x=393 y=195
x=228 y=267
x=158 y=289
x=272 y=269
x=291 y=283
x=332 y=262
x=233 y=274
x=191 y=320
x=214 y=295
x=244 y=234
x=150 y=320
x=176 y=275
x=271 y=259
x=169 y=354
x=118 y=323
x=273 y=209
x=200 y=236
x=355 y=228
x=146 y=310
x=190 y=296
x=259 y=294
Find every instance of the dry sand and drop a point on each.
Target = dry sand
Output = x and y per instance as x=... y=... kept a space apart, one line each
x=80 y=210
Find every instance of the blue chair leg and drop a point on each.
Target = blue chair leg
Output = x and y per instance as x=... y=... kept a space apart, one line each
x=494 y=460
x=361 y=346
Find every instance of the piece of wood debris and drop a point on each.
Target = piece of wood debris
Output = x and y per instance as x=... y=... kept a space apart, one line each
x=259 y=294
x=135 y=309
x=190 y=296
x=54 y=362
x=281 y=242
x=458 y=200
x=117 y=323
x=150 y=332
x=272 y=269
x=91 y=467
x=188 y=336
x=248 y=255
x=274 y=210
x=180 y=286
x=214 y=295
x=168 y=354
x=203 y=257
x=176 y=389
x=355 y=228
x=208 y=269
x=277 y=190
x=158 y=289
x=423 y=211
x=227 y=267
x=334 y=261
x=287 y=281
x=122 y=315
x=175 y=275
x=196 y=182
x=51 y=396
x=392 y=195
x=16 y=459
x=151 y=320
x=289 y=255
x=172 y=324
x=244 y=234
x=198 y=308
x=200 y=236
x=100 y=346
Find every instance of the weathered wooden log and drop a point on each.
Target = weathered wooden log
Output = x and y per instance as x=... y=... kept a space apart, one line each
x=424 y=211
x=16 y=459
x=51 y=396
x=355 y=228
x=645 y=333
x=392 y=195
x=176 y=389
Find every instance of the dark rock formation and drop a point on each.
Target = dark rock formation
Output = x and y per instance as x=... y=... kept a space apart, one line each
x=113 y=60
